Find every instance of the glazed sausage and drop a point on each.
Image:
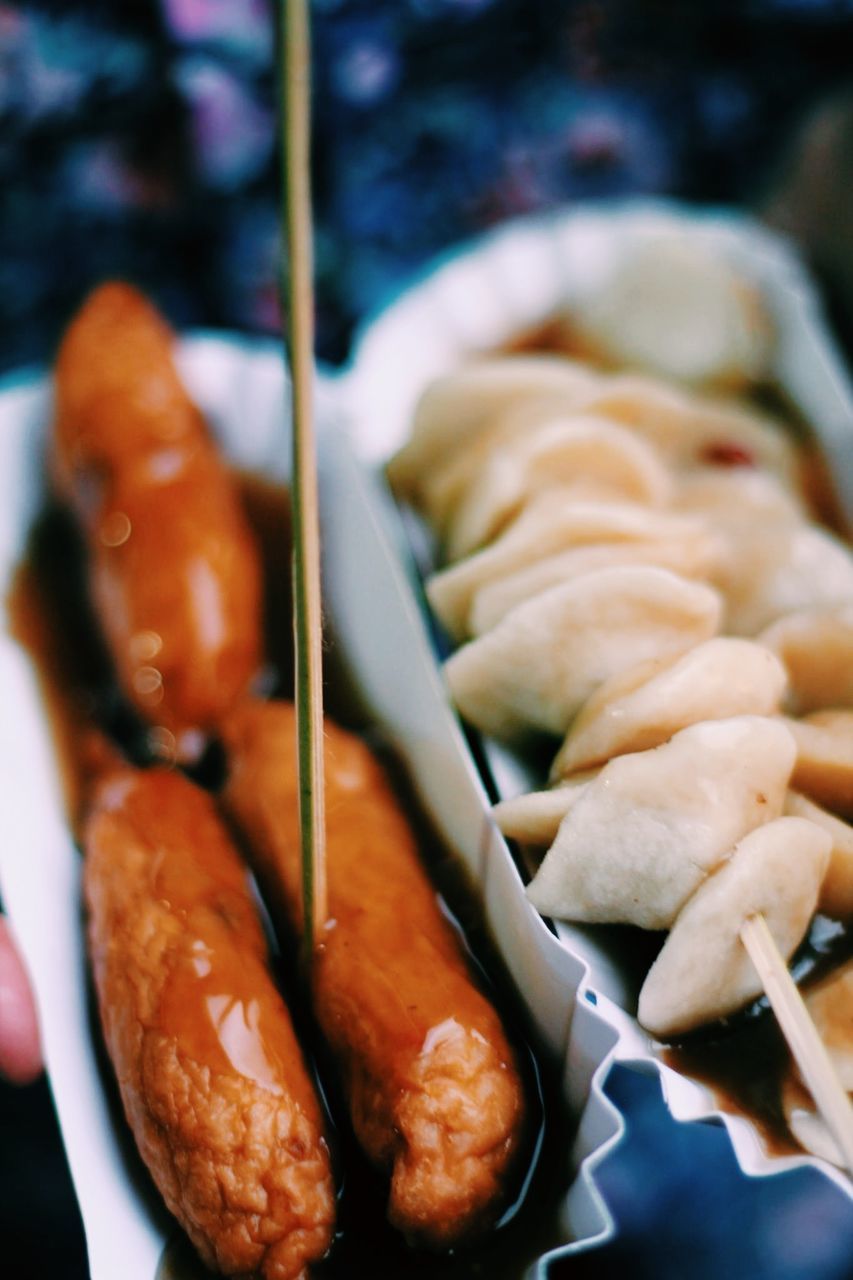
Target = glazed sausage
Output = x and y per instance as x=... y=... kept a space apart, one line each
x=174 y=572
x=210 y=1073
x=431 y=1081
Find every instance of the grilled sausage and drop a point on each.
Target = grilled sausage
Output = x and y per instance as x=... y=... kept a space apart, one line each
x=210 y=1073
x=431 y=1081
x=174 y=572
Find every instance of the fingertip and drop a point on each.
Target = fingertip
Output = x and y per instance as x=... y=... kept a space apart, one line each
x=20 y=1043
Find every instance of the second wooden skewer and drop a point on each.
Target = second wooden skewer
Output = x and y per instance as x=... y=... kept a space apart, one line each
x=806 y=1046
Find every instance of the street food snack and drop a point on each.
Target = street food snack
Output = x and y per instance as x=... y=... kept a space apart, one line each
x=191 y=1017
x=579 y=1043
x=703 y=970
x=645 y=705
x=457 y=413
x=671 y=800
x=654 y=824
x=816 y=646
x=534 y=671
x=212 y=1078
x=429 y=1076
x=548 y=527
x=581 y=455
x=670 y=305
x=836 y=892
x=173 y=569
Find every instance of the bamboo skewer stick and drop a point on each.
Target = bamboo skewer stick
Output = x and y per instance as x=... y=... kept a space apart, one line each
x=294 y=99
x=804 y=1042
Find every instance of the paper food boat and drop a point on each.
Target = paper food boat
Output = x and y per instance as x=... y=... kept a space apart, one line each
x=477 y=300
x=579 y=996
x=240 y=387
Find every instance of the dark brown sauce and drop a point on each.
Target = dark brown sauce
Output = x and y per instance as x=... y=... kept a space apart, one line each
x=267 y=506
x=53 y=620
x=744 y=1067
x=744 y=1060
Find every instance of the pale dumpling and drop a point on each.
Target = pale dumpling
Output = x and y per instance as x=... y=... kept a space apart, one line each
x=693 y=430
x=725 y=433
x=647 y=831
x=745 y=492
x=824 y=769
x=535 y=818
x=673 y=307
x=691 y=557
x=836 y=892
x=647 y=704
x=657 y=411
x=536 y=668
x=703 y=970
x=453 y=409
x=445 y=485
x=547 y=525
x=586 y=457
x=774 y=568
x=816 y=646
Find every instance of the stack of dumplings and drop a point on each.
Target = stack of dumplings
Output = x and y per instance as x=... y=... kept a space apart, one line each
x=630 y=572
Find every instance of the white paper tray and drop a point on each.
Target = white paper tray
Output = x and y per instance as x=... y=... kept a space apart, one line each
x=477 y=299
x=240 y=387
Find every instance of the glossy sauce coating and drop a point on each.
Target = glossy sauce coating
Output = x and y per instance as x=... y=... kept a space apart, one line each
x=211 y=1075
x=174 y=571
x=431 y=1081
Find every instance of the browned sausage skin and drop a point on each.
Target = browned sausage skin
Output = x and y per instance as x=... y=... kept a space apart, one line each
x=210 y=1073
x=175 y=574
x=431 y=1080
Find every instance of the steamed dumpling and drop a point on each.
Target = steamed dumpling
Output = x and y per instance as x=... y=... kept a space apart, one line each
x=455 y=408
x=584 y=456
x=548 y=525
x=657 y=411
x=752 y=495
x=816 y=646
x=691 y=430
x=672 y=306
x=449 y=479
x=647 y=831
x=545 y=658
x=703 y=971
x=774 y=568
x=535 y=818
x=647 y=704
x=824 y=768
x=691 y=556
x=836 y=892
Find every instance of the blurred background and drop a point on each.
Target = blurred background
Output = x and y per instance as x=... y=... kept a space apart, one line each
x=139 y=140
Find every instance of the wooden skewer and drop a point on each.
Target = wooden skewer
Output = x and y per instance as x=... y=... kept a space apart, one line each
x=294 y=99
x=803 y=1040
